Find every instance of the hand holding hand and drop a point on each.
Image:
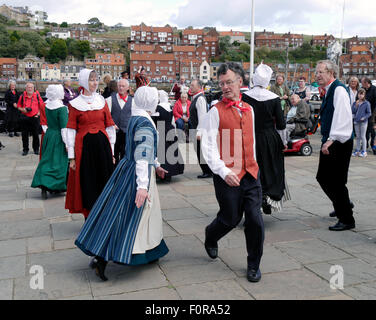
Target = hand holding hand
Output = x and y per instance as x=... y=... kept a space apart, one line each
x=72 y=164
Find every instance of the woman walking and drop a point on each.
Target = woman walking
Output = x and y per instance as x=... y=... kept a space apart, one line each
x=269 y=147
x=12 y=115
x=51 y=173
x=122 y=227
x=361 y=110
x=91 y=137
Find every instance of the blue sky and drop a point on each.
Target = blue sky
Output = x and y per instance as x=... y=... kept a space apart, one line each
x=296 y=16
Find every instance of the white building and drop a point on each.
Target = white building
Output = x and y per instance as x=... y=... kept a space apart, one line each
x=59 y=34
x=71 y=71
x=204 y=72
x=50 y=72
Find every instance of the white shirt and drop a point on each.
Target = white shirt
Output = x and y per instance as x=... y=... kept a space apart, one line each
x=353 y=94
x=209 y=145
x=342 y=123
x=201 y=107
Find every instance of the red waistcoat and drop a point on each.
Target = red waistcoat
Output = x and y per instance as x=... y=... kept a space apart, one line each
x=236 y=140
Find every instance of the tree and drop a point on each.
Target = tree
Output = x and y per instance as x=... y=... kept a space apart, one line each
x=21 y=48
x=64 y=25
x=224 y=44
x=58 y=51
x=93 y=21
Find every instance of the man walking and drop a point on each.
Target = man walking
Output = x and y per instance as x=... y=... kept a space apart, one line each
x=236 y=173
x=197 y=112
x=337 y=143
x=30 y=104
x=120 y=105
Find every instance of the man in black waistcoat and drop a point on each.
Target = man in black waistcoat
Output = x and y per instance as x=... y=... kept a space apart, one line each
x=197 y=112
x=120 y=105
x=337 y=143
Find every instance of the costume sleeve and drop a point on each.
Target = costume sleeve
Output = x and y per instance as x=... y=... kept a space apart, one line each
x=209 y=145
x=108 y=118
x=342 y=124
x=175 y=111
x=278 y=114
x=71 y=131
x=63 y=119
x=111 y=132
x=143 y=155
x=109 y=103
x=201 y=113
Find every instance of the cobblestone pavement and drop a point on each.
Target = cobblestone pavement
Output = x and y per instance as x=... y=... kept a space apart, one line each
x=299 y=249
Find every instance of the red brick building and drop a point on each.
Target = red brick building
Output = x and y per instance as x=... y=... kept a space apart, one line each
x=356 y=41
x=275 y=41
x=107 y=63
x=143 y=34
x=322 y=40
x=193 y=37
x=8 y=68
x=359 y=62
x=158 y=64
x=79 y=32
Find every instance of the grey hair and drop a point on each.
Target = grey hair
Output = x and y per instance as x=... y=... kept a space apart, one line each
x=184 y=94
x=65 y=80
x=330 y=67
x=11 y=82
x=126 y=81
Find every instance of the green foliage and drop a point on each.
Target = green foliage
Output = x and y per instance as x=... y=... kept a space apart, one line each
x=64 y=25
x=58 y=51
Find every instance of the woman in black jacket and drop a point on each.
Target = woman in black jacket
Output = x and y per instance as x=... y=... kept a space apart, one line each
x=12 y=115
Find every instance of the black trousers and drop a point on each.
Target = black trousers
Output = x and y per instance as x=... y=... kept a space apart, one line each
x=332 y=177
x=370 y=133
x=119 y=149
x=201 y=161
x=233 y=201
x=30 y=125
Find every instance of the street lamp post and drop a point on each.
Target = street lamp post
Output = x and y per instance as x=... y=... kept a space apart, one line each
x=252 y=39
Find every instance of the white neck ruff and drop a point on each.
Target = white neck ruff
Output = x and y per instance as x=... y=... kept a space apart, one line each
x=88 y=103
x=55 y=104
x=260 y=94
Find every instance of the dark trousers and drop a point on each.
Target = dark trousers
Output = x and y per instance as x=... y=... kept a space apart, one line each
x=30 y=125
x=332 y=177
x=233 y=201
x=119 y=149
x=204 y=167
x=370 y=133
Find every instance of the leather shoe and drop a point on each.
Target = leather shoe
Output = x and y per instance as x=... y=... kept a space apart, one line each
x=24 y=153
x=253 y=275
x=36 y=152
x=333 y=213
x=211 y=251
x=339 y=226
x=205 y=175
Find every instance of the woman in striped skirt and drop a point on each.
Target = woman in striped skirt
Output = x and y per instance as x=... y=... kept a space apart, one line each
x=122 y=227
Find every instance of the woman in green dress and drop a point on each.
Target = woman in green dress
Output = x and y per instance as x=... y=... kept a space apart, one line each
x=51 y=173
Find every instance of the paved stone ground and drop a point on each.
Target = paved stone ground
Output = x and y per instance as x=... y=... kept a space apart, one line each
x=299 y=249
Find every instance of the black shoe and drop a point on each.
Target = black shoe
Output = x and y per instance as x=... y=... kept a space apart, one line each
x=266 y=208
x=1 y=146
x=16 y=134
x=333 y=213
x=24 y=153
x=339 y=226
x=99 y=265
x=253 y=275
x=205 y=175
x=210 y=250
x=36 y=152
x=374 y=151
x=11 y=134
x=44 y=194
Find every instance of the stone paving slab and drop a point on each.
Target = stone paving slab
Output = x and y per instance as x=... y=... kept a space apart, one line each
x=124 y=279
x=356 y=271
x=181 y=214
x=216 y=290
x=165 y=293
x=39 y=244
x=24 y=229
x=9 y=248
x=12 y=267
x=66 y=230
x=311 y=251
x=21 y=215
x=290 y=285
x=365 y=291
x=56 y=286
x=6 y=289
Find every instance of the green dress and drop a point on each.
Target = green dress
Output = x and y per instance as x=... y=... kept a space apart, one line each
x=52 y=170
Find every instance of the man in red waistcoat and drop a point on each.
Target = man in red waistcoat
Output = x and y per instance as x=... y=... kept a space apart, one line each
x=228 y=144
